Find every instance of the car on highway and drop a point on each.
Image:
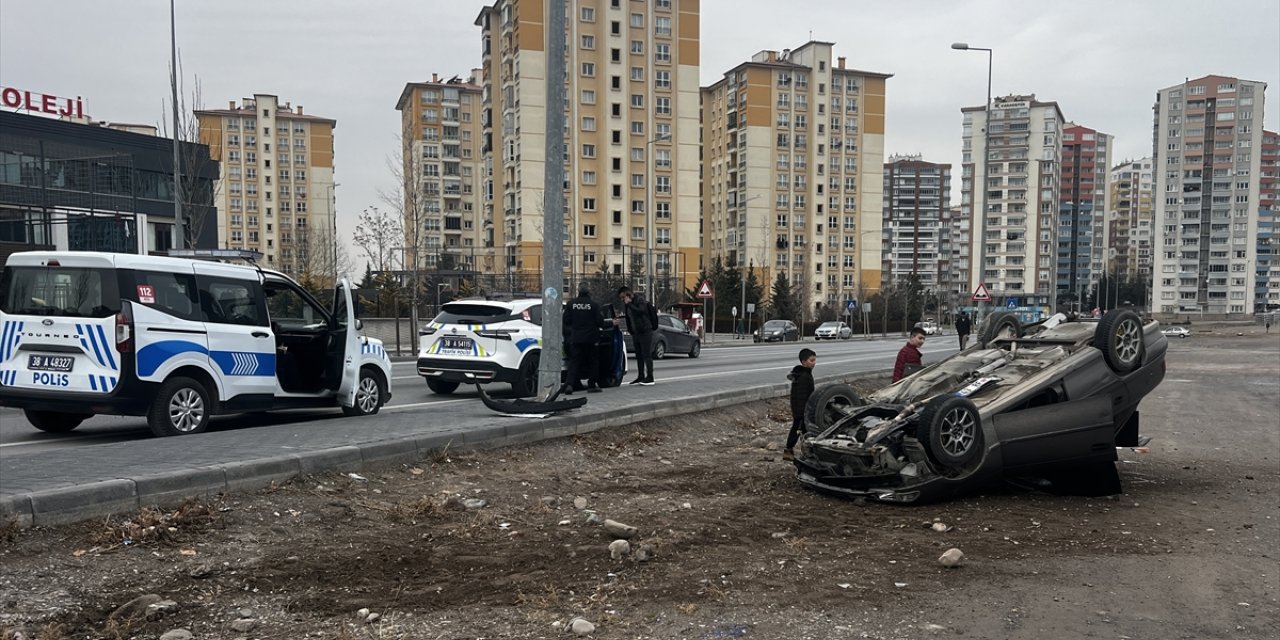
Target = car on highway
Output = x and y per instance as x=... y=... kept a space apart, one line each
x=482 y=341
x=1176 y=332
x=832 y=331
x=777 y=331
x=1050 y=401
x=177 y=340
x=672 y=336
x=930 y=326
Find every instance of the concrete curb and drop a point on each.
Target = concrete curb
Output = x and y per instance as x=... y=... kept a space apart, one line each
x=126 y=495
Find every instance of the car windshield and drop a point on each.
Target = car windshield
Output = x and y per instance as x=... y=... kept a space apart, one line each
x=59 y=291
x=829 y=325
x=471 y=313
x=775 y=324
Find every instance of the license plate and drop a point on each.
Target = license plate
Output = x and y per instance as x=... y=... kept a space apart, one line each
x=455 y=343
x=50 y=363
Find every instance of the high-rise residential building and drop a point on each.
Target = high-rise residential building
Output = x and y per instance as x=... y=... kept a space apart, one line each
x=443 y=173
x=793 y=152
x=275 y=191
x=1129 y=221
x=916 y=212
x=1267 y=273
x=1016 y=195
x=1208 y=160
x=632 y=138
x=1082 y=208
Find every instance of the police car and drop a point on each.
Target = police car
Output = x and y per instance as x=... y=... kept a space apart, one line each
x=497 y=341
x=176 y=340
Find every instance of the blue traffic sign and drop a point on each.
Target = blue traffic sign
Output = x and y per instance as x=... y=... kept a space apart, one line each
x=1012 y=303
x=852 y=306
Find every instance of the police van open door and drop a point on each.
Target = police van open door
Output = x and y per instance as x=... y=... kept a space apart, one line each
x=344 y=312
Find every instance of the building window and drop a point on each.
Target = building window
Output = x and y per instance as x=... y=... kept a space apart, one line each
x=662 y=184
x=662 y=79
x=588 y=123
x=589 y=69
x=662 y=210
x=588 y=14
x=662 y=26
x=588 y=96
x=637 y=74
x=588 y=42
x=588 y=151
x=662 y=52
x=588 y=230
x=661 y=105
x=637 y=47
x=637 y=21
x=588 y=204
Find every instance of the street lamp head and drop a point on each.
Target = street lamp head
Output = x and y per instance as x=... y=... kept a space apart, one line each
x=962 y=46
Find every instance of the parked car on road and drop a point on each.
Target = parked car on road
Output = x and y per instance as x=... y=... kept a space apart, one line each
x=1176 y=332
x=930 y=326
x=1050 y=402
x=777 y=331
x=832 y=331
x=672 y=336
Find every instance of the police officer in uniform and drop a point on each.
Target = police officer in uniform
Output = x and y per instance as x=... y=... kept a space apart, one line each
x=583 y=320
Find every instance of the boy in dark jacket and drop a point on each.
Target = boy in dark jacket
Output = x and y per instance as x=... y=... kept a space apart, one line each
x=801 y=378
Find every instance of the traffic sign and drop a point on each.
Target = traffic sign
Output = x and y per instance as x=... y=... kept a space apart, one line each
x=852 y=306
x=704 y=291
x=1012 y=303
x=981 y=294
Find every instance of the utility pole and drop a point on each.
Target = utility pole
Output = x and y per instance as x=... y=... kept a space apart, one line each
x=552 y=359
x=173 y=86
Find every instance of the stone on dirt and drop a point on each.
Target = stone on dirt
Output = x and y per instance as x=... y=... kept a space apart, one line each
x=760 y=443
x=594 y=518
x=619 y=530
x=157 y=610
x=646 y=552
x=176 y=634
x=951 y=557
x=581 y=627
x=618 y=549
x=579 y=503
x=549 y=502
x=243 y=625
x=472 y=504
x=244 y=612
x=362 y=613
x=940 y=527
x=373 y=617
x=135 y=608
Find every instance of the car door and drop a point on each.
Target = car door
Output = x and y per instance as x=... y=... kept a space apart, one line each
x=1050 y=434
x=242 y=346
x=348 y=335
x=681 y=337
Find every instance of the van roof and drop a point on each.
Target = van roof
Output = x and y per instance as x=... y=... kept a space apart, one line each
x=106 y=260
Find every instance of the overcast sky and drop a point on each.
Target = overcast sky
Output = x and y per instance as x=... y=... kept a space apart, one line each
x=1102 y=61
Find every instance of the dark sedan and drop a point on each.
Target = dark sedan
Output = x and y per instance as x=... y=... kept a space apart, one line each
x=1049 y=403
x=777 y=331
x=672 y=336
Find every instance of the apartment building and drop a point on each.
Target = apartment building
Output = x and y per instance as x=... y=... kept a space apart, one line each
x=1267 y=273
x=1084 y=199
x=443 y=173
x=1017 y=195
x=916 y=214
x=793 y=156
x=1208 y=161
x=953 y=265
x=275 y=191
x=632 y=140
x=1129 y=221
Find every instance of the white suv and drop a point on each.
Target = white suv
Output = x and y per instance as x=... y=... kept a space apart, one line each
x=482 y=341
x=176 y=340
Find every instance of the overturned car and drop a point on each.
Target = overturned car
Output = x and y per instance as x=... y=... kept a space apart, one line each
x=1050 y=402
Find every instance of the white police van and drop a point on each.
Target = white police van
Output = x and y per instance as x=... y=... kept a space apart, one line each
x=176 y=340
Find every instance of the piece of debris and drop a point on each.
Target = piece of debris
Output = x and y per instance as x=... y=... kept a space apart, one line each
x=844 y=585
x=358 y=477
x=372 y=618
x=689 y=505
x=618 y=549
x=244 y=612
x=594 y=518
x=940 y=527
x=760 y=443
x=550 y=502
x=899 y=584
x=619 y=530
x=157 y=610
x=362 y=613
x=176 y=634
x=243 y=625
x=581 y=627
x=934 y=628
x=471 y=504
x=951 y=557
x=416 y=471
x=646 y=552
x=579 y=503
x=134 y=608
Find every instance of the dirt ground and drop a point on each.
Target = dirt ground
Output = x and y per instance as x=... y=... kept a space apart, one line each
x=729 y=545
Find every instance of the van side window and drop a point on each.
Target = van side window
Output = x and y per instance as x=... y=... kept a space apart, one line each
x=171 y=293
x=292 y=311
x=228 y=301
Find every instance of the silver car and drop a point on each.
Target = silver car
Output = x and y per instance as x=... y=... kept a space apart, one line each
x=832 y=331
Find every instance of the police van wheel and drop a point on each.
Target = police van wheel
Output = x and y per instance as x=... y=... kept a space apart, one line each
x=53 y=421
x=181 y=407
x=369 y=395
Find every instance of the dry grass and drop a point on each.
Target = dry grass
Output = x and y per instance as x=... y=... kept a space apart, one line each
x=152 y=525
x=9 y=533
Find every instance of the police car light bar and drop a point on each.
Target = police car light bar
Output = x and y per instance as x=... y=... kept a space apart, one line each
x=248 y=255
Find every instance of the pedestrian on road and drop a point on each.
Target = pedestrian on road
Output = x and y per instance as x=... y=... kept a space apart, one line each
x=642 y=321
x=962 y=329
x=801 y=378
x=582 y=323
x=909 y=359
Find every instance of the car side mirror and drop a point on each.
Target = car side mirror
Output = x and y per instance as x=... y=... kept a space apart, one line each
x=359 y=324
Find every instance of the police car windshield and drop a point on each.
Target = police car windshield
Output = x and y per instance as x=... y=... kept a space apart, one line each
x=463 y=313
x=59 y=291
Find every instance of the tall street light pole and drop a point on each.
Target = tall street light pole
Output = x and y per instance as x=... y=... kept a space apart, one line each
x=553 y=234
x=980 y=181
x=652 y=215
x=173 y=87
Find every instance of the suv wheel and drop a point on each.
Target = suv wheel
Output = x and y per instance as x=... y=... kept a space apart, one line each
x=526 y=383
x=181 y=407
x=369 y=395
x=442 y=387
x=54 y=421
x=695 y=349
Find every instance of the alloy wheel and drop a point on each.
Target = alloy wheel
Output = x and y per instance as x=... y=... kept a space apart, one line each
x=186 y=410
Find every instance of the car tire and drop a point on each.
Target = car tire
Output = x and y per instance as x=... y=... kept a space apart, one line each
x=54 y=421
x=696 y=349
x=1001 y=324
x=660 y=350
x=950 y=430
x=827 y=405
x=371 y=394
x=526 y=382
x=1119 y=337
x=181 y=407
x=442 y=387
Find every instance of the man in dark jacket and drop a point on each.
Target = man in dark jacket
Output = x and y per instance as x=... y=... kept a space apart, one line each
x=801 y=378
x=583 y=321
x=642 y=321
x=962 y=329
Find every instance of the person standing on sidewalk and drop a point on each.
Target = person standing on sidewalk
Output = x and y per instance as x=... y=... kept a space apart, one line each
x=642 y=321
x=962 y=329
x=801 y=378
x=582 y=323
x=909 y=360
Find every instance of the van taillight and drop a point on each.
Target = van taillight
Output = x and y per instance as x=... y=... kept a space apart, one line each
x=124 y=328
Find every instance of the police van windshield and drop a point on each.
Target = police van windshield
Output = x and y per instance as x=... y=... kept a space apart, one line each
x=59 y=291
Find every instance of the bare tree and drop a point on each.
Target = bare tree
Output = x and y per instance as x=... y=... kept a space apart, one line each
x=317 y=259
x=191 y=191
x=378 y=235
x=415 y=200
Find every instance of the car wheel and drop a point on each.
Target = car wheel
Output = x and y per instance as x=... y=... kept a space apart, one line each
x=181 y=407
x=526 y=383
x=827 y=405
x=370 y=395
x=54 y=421
x=660 y=350
x=1119 y=338
x=695 y=349
x=442 y=387
x=1001 y=324
x=950 y=430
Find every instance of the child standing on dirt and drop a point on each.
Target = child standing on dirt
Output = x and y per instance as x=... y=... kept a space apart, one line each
x=801 y=378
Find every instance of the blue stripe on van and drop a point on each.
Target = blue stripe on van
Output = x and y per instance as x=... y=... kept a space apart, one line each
x=106 y=347
x=4 y=340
